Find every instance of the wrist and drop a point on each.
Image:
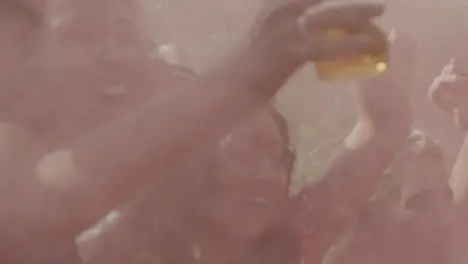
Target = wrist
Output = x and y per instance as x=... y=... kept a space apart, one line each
x=266 y=72
x=269 y=67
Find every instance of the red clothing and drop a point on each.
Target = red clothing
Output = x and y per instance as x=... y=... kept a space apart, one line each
x=317 y=226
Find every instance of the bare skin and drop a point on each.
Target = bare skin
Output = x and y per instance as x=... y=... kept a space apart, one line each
x=383 y=123
x=102 y=160
x=333 y=208
x=448 y=92
x=241 y=185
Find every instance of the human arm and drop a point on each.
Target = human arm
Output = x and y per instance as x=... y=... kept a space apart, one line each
x=108 y=166
x=384 y=120
x=448 y=93
x=173 y=126
x=349 y=183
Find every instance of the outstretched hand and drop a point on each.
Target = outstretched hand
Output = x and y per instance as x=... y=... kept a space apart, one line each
x=449 y=92
x=295 y=31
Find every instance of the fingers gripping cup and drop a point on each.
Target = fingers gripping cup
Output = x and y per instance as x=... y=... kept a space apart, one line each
x=373 y=62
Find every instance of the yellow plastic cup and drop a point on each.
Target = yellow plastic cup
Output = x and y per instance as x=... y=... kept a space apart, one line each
x=357 y=66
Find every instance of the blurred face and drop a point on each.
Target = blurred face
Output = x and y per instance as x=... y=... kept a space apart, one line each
x=251 y=181
x=92 y=63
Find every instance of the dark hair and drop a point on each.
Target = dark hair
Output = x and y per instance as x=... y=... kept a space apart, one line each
x=278 y=244
x=162 y=218
x=289 y=157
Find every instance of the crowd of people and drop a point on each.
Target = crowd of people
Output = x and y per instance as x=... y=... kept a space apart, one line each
x=196 y=167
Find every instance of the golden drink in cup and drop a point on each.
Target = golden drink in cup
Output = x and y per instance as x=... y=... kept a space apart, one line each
x=368 y=64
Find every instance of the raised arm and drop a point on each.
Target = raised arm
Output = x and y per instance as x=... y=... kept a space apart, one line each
x=108 y=166
x=383 y=124
x=448 y=92
x=110 y=163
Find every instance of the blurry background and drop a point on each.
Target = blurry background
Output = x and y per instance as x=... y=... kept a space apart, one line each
x=320 y=114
